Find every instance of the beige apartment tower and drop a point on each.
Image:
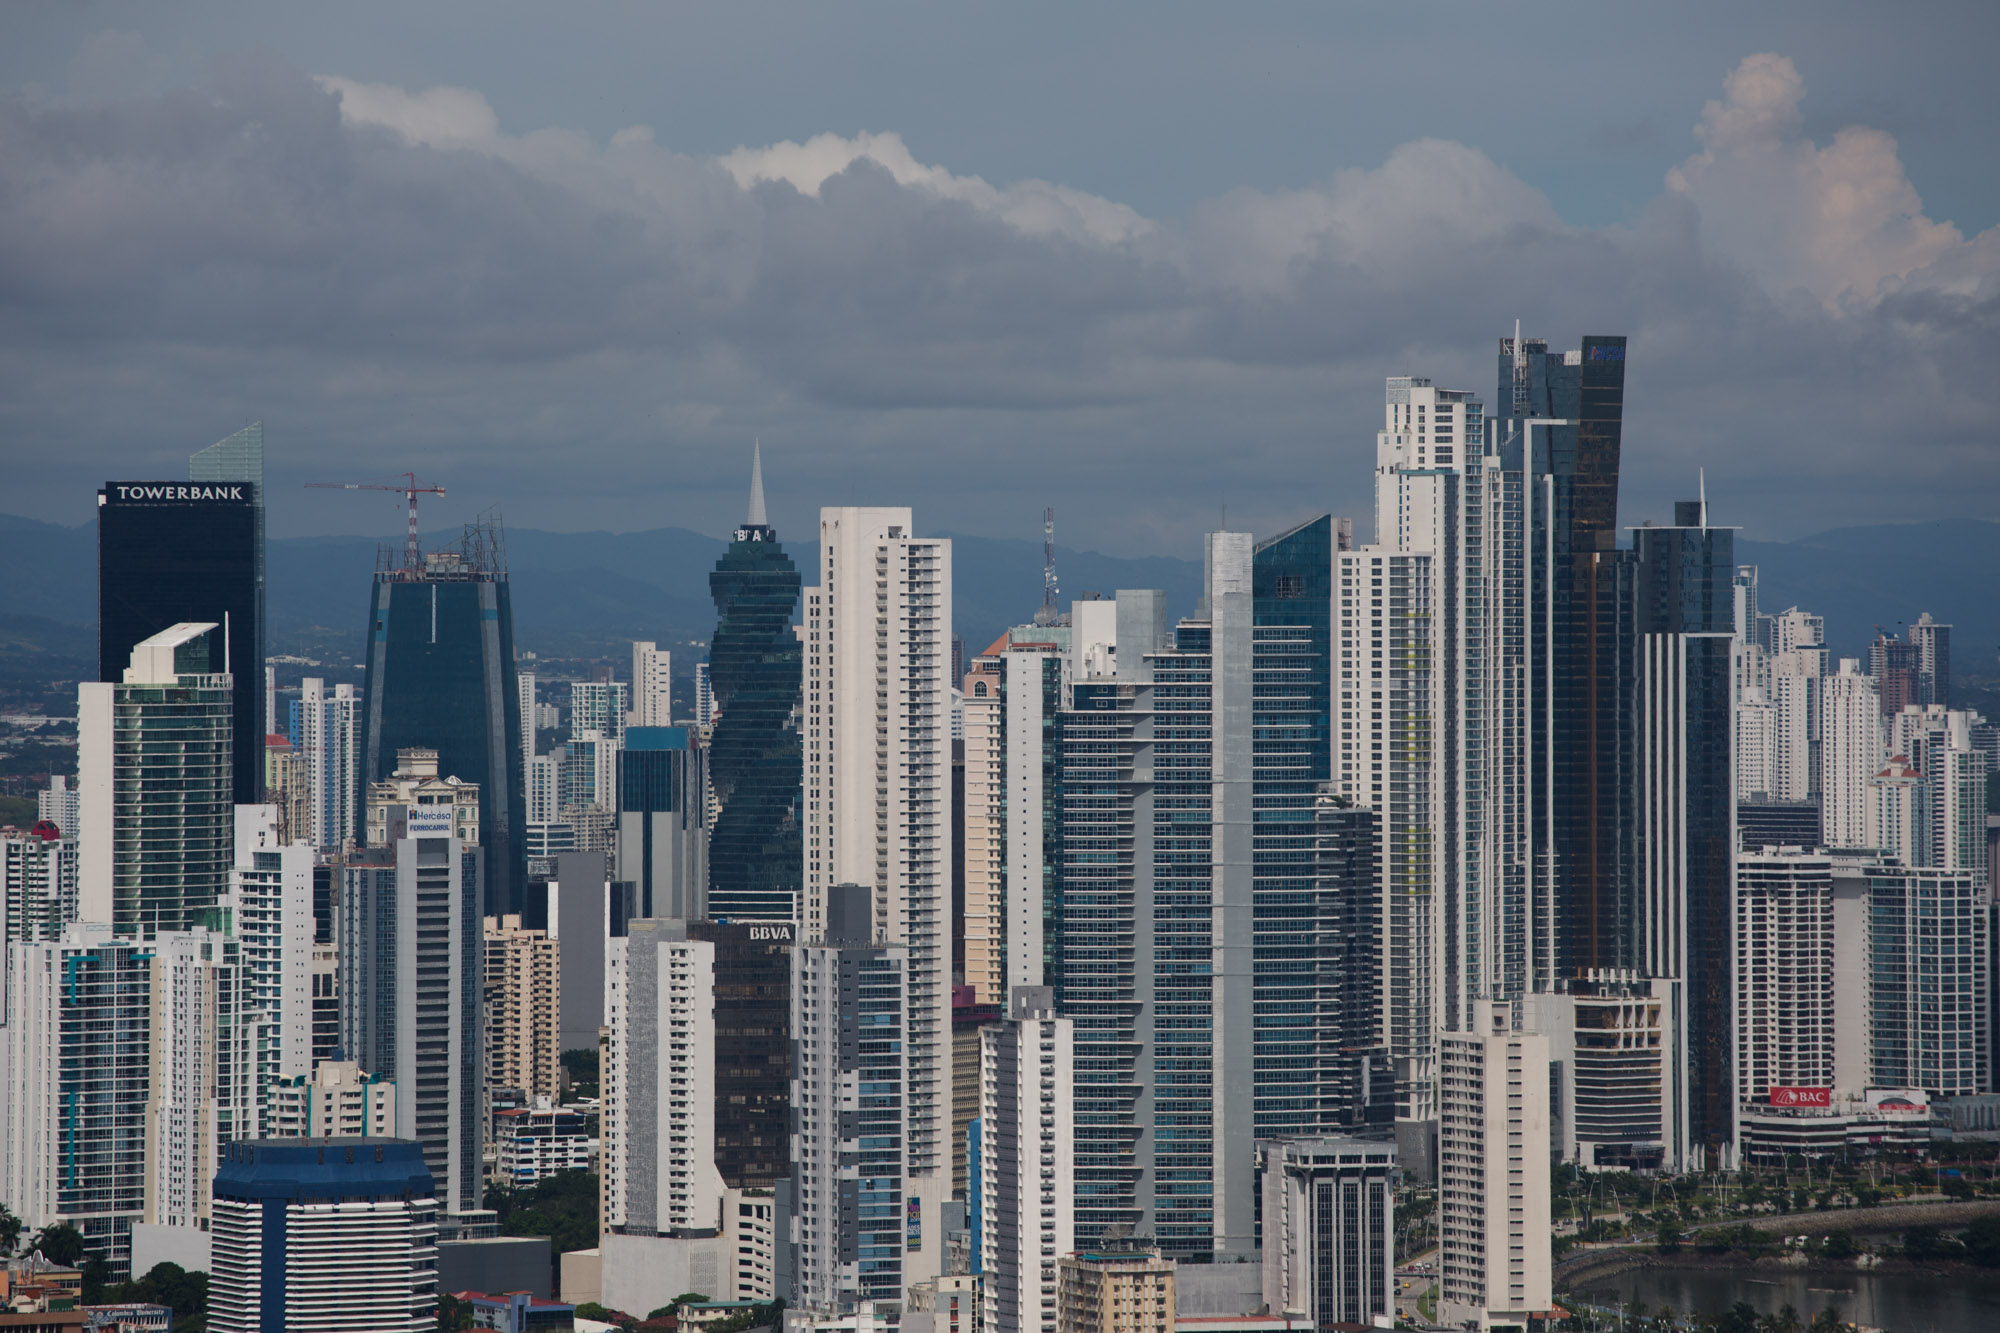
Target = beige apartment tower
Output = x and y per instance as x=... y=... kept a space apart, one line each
x=1116 y=1292
x=523 y=1003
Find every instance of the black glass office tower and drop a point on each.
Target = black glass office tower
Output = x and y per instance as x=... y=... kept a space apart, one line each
x=754 y=756
x=1685 y=793
x=753 y=1049
x=441 y=674
x=1585 y=643
x=170 y=552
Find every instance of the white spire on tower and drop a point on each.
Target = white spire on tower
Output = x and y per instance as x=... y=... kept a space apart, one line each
x=757 y=518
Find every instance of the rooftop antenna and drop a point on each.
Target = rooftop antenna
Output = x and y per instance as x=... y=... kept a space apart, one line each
x=1047 y=614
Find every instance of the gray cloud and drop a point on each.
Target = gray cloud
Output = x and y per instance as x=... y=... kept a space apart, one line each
x=590 y=330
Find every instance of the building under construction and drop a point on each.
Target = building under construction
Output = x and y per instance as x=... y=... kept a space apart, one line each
x=441 y=676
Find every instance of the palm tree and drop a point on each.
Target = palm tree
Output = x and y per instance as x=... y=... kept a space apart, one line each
x=10 y=1230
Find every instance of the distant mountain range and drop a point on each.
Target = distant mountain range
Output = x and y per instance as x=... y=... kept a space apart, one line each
x=584 y=593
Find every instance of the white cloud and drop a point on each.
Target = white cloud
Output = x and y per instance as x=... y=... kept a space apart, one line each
x=1841 y=221
x=436 y=117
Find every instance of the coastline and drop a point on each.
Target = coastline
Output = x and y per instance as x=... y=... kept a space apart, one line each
x=1573 y=1274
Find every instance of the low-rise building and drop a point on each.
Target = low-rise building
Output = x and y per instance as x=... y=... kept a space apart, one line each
x=1108 y=1291
x=535 y=1142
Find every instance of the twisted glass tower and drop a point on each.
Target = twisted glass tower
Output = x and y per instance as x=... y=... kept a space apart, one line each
x=754 y=755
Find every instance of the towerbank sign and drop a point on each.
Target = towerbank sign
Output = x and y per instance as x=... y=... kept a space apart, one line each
x=129 y=491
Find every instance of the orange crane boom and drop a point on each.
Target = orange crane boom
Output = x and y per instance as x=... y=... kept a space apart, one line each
x=410 y=491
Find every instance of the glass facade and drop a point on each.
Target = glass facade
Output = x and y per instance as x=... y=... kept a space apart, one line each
x=753 y=1052
x=175 y=552
x=755 y=759
x=441 y=675
x=173 y=820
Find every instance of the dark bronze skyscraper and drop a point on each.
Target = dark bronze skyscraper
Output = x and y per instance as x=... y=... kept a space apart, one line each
x=754 y=755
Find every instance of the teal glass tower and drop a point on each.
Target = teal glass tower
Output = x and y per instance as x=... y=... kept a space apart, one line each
x=754 y=756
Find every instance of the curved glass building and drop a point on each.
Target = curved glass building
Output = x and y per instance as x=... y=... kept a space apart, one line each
x=754 y=756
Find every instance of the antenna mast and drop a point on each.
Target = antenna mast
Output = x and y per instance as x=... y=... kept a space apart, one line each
x=1047 y=614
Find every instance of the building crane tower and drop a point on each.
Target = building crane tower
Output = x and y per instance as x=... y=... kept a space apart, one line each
x=411 y=558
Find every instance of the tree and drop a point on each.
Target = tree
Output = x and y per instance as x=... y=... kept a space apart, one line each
x=1982 y=1242
x=1670 y=1236
x=1826 y=1321
x=1740 y=1319
x=10 y=1230
x=1839 y=1245
x=60 y=1243
x=1922 y=1243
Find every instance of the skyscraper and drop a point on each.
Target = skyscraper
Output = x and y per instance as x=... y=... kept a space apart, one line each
x=1583 y=648
x=663 y=846
x=1686 y=798
x=1851 y=753
x=652 y=686
x=411 y=991
x=754 y=753
x=856 y=1218
x=441 y=675
x=1027 y=1164
x=154 y=768
x=523 y=1001
x=1933 y=644
x=877 y=718
x=75 y=1055
x=330 y=737
x=1929 y=996
x=1784 y=972
x=169 y=552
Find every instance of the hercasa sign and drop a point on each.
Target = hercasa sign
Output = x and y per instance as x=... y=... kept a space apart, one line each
x=1802 y=1096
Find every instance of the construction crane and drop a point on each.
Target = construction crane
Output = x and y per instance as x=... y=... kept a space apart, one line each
x=411 y=558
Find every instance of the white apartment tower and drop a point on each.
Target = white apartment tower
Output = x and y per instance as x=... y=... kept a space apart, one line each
x=877 y=728
x=652 y=686
x=1851 y=754
x=1027 y=1112
x=1784 y=972
x=330 y=738
x=524 y=682
x=1493 y=1175
x=658 y=1112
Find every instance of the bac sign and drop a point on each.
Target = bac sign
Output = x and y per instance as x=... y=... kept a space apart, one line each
x=1802 y=1096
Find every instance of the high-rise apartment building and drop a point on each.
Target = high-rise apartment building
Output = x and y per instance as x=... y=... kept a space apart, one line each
x=1186 y=775
x=753 y=674
x=38 y=894
x=411 y=996
x=1851 y=753
x=1493 y=1175
x=855 y=1219
x=1928 y=989
x=877 y=721
x=524 y=690
x=983 y=844
x=658 y=1082
x=1618 y=1071
x=441 y=676
x=523 y=1000
x=57 y=803
x=1933 y=644
x=75 y=1067
x=652 y=686
x=1027 y=1116
x=663 y=838
x=324 y=1233
x=330 y=739
x=1893 y=664
x=177 y=552
x=1784 y=972
x=705 y=711
x=602 y=706
x=1329 y=1229
x=154 y=764
x=202 y=1072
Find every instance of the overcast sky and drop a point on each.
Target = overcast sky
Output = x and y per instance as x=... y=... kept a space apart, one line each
x=1141 y=262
